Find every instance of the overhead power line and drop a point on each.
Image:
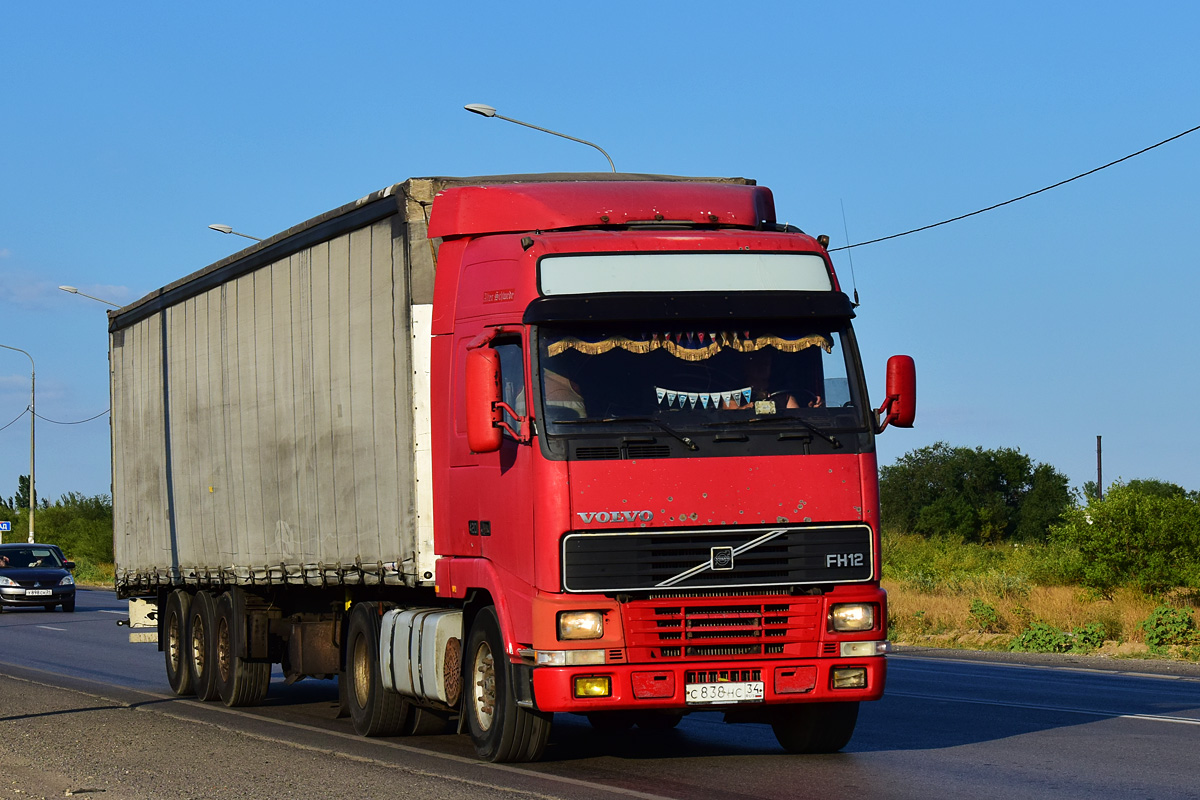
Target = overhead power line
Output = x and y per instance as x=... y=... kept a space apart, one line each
x=14 y=422
x=77 y=422
x=1022 y=197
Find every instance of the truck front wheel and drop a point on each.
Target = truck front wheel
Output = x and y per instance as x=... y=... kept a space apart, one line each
x=374 y=711
x=815 y=727
x=500 y=729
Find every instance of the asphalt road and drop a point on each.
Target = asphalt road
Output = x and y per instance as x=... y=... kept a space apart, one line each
x=83 y=710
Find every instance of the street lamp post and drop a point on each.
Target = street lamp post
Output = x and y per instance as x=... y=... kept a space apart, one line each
x=488 y=111
x=73 y=290
x=227 y=229
x=32 y=431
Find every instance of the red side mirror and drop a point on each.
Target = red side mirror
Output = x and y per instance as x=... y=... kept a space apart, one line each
x=900 y=407
x=482 y=393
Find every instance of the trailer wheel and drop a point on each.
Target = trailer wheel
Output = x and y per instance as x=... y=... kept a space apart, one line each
x=175 y=642
x=373 y=710
x=239 y=682
x=501 y=730
x=816 y=727
x=200 y=648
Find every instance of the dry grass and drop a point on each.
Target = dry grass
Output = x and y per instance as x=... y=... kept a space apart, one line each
x=919 y=617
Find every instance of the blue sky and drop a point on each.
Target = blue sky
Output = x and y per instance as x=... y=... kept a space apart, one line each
x=128 y=128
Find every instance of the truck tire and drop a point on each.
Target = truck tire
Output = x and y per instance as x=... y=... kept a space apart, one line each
x=373 y=710
x=239 y=682
x=175 y=642
x=501 y=730
x=200 y=648
x=815 y=727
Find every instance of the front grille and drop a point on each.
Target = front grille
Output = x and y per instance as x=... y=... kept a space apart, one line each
x=715 y=628
x=725 y=558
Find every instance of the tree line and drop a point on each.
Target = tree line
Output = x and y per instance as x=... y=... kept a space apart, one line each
x=81 y=525
x=1142 y=533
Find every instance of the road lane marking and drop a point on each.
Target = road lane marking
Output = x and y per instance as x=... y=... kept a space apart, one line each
x=48 y=628
x=110 y=611
x=1041 y=707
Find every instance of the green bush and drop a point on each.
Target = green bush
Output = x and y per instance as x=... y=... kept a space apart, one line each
x=984 y=617
x=1041 y=638
x=1168 y=626
x=1089 y=637
x=1149 y=541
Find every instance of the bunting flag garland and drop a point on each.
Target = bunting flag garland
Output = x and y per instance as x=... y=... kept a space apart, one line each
x=705 y=400
x=698 y=347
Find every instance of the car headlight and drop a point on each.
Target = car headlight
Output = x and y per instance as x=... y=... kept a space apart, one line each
x=4 y=581
x=580 y=625
x=852 y=617
x=67 y=581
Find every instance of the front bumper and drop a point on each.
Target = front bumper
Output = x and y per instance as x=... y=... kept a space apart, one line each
x=663 y=686
x=19 y=596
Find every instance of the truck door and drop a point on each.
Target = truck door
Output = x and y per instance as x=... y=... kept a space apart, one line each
x=492 y=493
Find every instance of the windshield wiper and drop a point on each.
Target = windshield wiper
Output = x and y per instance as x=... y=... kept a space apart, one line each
x=757 y=420
x=691 y=445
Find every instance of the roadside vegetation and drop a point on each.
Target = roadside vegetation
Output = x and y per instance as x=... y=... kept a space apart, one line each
x=81 y=525
x=985 y=549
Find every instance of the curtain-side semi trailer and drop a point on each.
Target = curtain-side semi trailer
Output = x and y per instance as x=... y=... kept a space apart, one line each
x=491 y=449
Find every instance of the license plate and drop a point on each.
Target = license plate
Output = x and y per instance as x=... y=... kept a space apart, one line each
x=38 y=592
x=747 y=692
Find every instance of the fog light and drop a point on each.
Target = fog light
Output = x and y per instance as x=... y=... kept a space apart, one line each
x=850 y=678
x=852 y=617
x=593 y=686
x=580 y=625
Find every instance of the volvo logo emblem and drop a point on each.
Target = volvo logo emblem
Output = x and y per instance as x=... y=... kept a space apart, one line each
x=589 y=517
x=721 y=557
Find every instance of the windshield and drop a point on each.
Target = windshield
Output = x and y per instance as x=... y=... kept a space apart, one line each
x=32 y=558
x=698 y=374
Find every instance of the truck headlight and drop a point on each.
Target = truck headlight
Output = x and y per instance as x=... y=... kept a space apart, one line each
x=580 y=625
x=852 y=617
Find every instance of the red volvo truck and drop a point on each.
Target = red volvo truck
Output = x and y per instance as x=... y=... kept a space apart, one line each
x=491 y=449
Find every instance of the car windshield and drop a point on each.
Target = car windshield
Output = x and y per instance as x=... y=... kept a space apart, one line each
x=29 y=557
x=699 y=374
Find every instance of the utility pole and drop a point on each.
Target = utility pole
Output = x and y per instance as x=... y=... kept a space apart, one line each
x=1099 y=471
x=32 y=430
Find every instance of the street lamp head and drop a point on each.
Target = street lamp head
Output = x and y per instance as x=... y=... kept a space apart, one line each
x=229 y=229
x=488 y=111
x=73 y=290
